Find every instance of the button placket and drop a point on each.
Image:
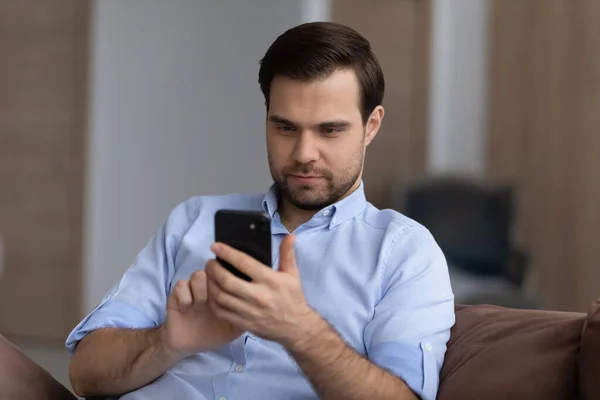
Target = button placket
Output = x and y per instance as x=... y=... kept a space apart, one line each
x=238 y=352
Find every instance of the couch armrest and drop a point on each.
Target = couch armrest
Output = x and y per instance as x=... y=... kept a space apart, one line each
x=21 y=378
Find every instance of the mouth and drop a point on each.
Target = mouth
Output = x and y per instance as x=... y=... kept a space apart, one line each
x=305 y=178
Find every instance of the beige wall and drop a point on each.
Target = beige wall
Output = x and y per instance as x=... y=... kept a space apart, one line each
x=544 y=136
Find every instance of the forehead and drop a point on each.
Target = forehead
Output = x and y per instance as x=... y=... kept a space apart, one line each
x=335 y=97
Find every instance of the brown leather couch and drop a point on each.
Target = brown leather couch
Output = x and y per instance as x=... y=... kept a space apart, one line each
x=499 y=353
x=494 y=353
x=22 y=379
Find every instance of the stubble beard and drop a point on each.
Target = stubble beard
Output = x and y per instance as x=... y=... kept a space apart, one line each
x=313 y=197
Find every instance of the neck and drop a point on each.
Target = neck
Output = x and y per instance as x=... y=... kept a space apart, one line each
x=292 y=217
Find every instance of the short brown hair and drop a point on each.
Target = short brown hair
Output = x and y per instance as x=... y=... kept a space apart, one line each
x=316 y=50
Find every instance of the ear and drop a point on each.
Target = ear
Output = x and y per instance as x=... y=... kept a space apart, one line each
x=373 y=124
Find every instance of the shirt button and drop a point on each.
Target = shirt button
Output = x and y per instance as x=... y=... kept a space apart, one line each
x=428 y=347
x=223 y=398
x=239 y=368
x=326 y=213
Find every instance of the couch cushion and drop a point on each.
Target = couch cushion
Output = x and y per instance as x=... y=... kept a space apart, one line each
x=589 y=361
x=500 y=353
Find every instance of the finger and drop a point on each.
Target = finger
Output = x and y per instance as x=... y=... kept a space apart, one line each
x=287 y=256
x=222 y=299
x=228 y=282
x=246 y=264
x=230 y=317
x=181 y=297
x=198 y=288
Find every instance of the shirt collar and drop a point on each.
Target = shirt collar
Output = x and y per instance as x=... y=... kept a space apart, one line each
x=270 y=201
x=343 y=210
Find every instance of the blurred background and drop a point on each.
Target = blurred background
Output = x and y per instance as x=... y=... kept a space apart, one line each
x=114 y=111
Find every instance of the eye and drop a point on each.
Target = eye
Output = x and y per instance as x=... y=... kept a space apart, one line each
x=286 y=129
x=331 y=130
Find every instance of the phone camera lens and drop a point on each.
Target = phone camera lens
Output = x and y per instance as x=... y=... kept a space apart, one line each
x=252 y=226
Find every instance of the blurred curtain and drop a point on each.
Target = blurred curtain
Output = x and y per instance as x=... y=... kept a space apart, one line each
x=544 y=136
x=43 y=80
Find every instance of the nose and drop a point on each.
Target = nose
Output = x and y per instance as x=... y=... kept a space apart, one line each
x=306 y=149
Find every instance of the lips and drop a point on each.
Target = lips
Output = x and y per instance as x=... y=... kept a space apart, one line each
x=305 y=179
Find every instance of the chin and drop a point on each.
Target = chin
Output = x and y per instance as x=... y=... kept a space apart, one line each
x=310 y=206
x=310 y=203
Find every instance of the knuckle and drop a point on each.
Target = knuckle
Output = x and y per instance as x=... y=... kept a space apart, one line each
x=197 y=275
x=181 y=294
x=274 y=281
x=225 y=282
x=199 y=278
x=220 y=298
x=263 y=299
x=181 y=287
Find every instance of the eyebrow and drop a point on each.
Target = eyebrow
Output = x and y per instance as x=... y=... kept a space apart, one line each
x=280 y=120
x=337 y=124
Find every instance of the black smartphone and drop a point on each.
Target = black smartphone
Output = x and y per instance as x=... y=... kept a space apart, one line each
x=246 y=231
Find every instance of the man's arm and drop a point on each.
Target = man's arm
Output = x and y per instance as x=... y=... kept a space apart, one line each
x=118 y=347
x=112 y=361
x=337 y=372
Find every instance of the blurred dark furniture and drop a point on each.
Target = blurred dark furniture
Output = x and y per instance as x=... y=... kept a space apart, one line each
x=473 y=225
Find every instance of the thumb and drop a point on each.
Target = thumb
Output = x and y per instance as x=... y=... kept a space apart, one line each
x=287 y=256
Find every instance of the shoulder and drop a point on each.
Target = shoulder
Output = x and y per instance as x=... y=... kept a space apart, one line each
x=198 y=207
x=203 y=204
x=394 y=223
x=407 y=247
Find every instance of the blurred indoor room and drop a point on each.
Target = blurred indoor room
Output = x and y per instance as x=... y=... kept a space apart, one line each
x=114 y=111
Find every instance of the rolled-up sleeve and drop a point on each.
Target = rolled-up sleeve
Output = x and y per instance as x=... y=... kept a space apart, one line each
x=139 y=299
x=411 y=325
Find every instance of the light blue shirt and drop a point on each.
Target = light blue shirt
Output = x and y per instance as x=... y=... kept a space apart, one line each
x=376 y=276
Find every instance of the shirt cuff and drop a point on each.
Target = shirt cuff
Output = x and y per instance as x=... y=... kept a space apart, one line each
x=414 y=364
x=112 y=314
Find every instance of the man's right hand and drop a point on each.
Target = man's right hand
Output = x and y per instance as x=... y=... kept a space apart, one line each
x=191 y=327
x=111 y=361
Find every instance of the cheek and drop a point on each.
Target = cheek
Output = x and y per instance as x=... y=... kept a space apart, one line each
x=278 y=150
x=279 y=143
x=340 y=156
x=271 y=144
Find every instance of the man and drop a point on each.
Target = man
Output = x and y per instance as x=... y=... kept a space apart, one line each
x=358 y=304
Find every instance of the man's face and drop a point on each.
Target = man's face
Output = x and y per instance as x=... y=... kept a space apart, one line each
x=316 y=138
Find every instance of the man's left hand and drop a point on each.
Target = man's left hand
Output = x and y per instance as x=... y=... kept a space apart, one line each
x=271 y=306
